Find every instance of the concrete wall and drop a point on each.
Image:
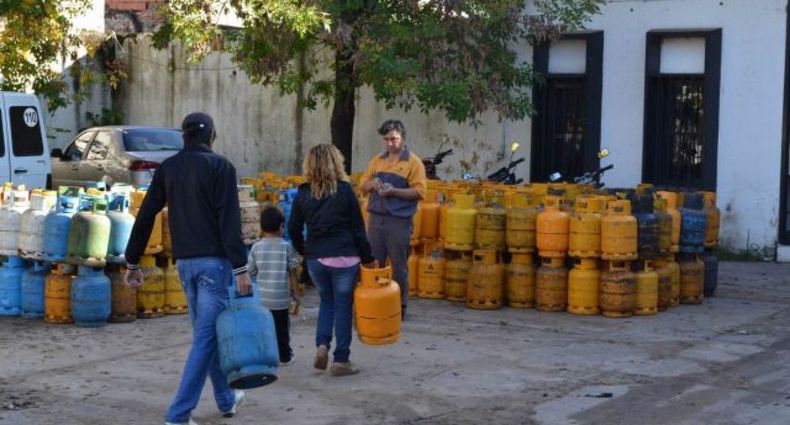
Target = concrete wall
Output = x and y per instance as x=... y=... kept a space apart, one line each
x=260 y=129
x=751 y=101
x=64 y=123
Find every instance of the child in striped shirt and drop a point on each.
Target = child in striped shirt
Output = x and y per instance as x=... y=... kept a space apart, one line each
x=273 y=260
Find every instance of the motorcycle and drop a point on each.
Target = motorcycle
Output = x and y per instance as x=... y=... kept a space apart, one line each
x=430 y=163
x=507 y=175
x=590 y=177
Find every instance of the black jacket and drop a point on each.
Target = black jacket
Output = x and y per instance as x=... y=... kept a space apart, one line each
x=200 y=190
x=334 y=225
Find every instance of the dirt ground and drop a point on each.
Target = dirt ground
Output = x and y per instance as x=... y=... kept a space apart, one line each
x=724 y=363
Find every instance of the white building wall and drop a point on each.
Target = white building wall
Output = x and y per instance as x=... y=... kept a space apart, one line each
x=751 y=101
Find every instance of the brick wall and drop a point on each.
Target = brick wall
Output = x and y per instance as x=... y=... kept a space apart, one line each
x=132 y=16
x=133 y=4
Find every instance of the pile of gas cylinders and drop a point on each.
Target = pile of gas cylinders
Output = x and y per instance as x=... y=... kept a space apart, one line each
x=270 y=189
x=63 y=257
x=564 y=247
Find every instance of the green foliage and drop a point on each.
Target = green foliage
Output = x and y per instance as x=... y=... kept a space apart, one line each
x=36 y=35
x=106 y=117
x=459 y=56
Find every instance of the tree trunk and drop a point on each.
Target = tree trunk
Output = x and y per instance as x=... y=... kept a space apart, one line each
x=343 y=110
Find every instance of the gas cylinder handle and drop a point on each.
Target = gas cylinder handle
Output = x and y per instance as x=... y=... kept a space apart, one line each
x=235 y=297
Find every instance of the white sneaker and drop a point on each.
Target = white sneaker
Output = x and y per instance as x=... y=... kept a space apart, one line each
x=290 y=361
x=191 y=422
x=240 y=397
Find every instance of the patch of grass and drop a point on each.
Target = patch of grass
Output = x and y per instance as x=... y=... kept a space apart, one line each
x=753 y=255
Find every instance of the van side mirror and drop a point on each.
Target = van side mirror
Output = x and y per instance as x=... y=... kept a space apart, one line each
x=56 y=153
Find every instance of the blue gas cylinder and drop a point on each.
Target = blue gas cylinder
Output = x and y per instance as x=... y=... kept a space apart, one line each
x=11 y=286
x=247 y=344
x=90 y=297
x=121 y=223
x=56 y=228
x=693 y=222
x=285 y=201
x=33 y=281
x=647 y=227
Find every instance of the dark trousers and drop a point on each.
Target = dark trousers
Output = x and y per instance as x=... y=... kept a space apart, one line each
x=282 y=325
x=389 y=237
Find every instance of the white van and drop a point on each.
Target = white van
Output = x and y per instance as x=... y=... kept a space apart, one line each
x=24 y=153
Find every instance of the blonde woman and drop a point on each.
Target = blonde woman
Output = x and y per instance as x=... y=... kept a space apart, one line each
x=336 y=245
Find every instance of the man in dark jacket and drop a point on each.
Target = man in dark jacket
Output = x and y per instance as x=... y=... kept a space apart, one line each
x=200 y=190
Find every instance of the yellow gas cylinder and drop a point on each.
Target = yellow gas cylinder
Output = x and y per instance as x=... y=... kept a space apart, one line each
x=486 y=281
x=618 y=232
x=413 y=265
x=585 y=228
x=664 y=283
x=641 y=188
x=377 y=310
x=430 y=216
x=672 y=209
x=521 y=281
x=692 y=275
x=431 y=269
x=618 y=289
x=57 y=294
x=540 y=189
x=123 y=298
x=584 y=281
x=552 y=227
x=607 y=197
x=461 y=224
x=444 y=207
x=175 y=298
x=167 y=241
x=674 y=268
x=490 y=223
x=151 y=294
x=646 y=301
x=480 y=194
x=572 y=192
x=155 y=240
x=520 y=223
x=416 y=226
x=714 y=219
x=456 y=274
x=551 y=285
x=664 y=225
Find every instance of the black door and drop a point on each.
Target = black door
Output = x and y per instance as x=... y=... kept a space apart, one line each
x=566 y=129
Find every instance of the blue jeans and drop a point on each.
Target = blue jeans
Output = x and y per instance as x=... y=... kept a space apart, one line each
x=206 y=281
x=336 y=289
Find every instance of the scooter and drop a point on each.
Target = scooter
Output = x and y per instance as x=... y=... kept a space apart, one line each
x=507 y=175
x=430 y=163
x=590 y=177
